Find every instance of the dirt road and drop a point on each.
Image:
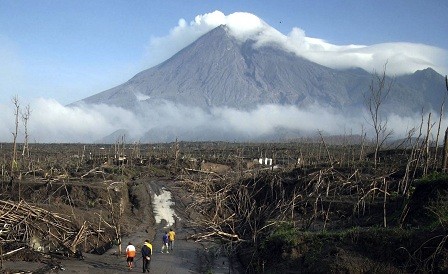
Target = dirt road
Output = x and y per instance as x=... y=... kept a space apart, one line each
x=185 y=258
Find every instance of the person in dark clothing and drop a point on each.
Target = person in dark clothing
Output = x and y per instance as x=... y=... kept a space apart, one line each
x=146 y=255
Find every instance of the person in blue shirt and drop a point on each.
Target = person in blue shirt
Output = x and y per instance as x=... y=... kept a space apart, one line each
x=165 y=242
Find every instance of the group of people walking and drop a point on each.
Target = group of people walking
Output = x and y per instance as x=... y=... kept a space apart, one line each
x=146 y=251
x=168 y=241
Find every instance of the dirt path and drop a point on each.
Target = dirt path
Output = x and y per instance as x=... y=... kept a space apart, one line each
x=185 y=258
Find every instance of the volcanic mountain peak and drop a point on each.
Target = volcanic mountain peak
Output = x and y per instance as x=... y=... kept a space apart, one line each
x=221 y=71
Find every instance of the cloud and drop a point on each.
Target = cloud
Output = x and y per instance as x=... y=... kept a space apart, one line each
x=401 y=57
x=141 y=97
x=266 y=119
x=51 y=122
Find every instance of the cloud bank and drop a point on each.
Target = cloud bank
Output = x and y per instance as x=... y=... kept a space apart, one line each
x=51 y=122
x=402 y=57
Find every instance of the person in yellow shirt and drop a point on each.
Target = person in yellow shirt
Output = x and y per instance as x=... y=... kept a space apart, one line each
x=171 y=237
x=130 y=254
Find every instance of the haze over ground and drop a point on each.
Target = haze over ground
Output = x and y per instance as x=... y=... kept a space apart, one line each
x=56 y=53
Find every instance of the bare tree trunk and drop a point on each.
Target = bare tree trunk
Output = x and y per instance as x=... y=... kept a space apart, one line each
x=116 y=218
x=426 y=151
x=384 y=203
x=363 y=139
x=445 y=151
x=438 y=132
x=176 y=154
x=378 y=92
x=445 y=142
x=25 y=117
x=330 y=159
x=14 y=165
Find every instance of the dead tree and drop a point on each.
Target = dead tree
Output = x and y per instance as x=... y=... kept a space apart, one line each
x=330 y=159
x=426 y=150
x=26 y=151
x=176 y=149
x=379 y=90
x=439 y=125
x=14 y=165
x=25 y=117
x=116 y=214
x=445 y=143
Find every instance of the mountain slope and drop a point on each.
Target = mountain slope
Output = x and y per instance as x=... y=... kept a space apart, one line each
x=219 y=71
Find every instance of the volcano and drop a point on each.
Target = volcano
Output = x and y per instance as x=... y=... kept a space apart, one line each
x=220 y=71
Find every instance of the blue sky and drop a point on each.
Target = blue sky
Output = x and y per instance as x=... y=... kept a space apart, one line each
x=56 y=52
x=68 y=50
